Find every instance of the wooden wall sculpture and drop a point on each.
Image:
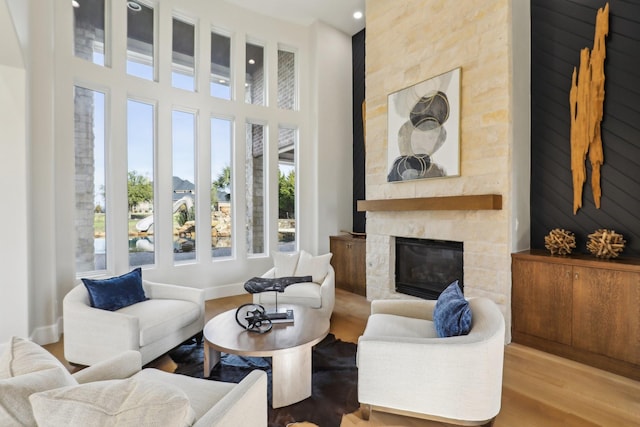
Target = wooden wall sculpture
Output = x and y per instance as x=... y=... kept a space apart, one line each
x=587 y=99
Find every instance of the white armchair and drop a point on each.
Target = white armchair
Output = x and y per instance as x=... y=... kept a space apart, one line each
x=214 y=403
x=319 y=293
x=170 y=316
x=309 y=294
x=405 y=368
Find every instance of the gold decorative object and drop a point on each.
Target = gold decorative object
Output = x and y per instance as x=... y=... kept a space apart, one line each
x=560 y=241
x=586 y=100
x=605 y=243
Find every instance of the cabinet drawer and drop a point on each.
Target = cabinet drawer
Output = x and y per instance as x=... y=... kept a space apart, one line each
x=542 y=300
x=606 y=314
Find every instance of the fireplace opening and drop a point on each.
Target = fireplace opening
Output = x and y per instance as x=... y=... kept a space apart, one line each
x=425 y=267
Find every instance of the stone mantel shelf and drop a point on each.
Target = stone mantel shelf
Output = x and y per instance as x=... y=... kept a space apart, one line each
x=443 y=203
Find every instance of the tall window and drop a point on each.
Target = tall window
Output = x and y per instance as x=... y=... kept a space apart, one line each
x=255 y=89
x=89 y=33
x=287 y=139
x=184 y=188
x=91 y=208
x=133 y=122
x=140 y=155
x=183 y=63
x=221 y=143
x=220 y=80
x=287 y=96
x=140 y=35
x=255 y=191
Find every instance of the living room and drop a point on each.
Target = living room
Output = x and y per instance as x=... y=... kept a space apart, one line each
x=490 y=43
x=46 y=122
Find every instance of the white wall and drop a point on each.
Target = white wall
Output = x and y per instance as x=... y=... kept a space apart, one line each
x=46 y=260
x=333 y=139
x=521 y=116
x=14 y=303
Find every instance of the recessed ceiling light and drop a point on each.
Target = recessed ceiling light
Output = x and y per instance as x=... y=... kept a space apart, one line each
x=134 y=6
x=222 y=81
x=252 y=61
x=75 y=3
x=357 y=15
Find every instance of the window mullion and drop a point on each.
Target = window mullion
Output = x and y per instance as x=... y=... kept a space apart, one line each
x=165 y=43
x=238 y=184
x=271 y=210
x=203 y=185
x=163 y=186
x=203 y=57
x=118 y=35
x=117 y=206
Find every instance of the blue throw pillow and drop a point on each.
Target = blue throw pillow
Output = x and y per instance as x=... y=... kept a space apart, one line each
x=452 y=314
x=116 y=292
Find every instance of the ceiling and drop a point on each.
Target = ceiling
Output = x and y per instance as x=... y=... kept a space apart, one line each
x=336 y=13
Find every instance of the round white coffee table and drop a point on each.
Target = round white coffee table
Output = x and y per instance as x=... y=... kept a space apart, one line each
x=288 y=344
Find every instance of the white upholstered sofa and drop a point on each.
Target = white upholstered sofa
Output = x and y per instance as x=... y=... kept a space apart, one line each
x=170 y=316
x=404 y=367
x=319 y=293
x=36 y=388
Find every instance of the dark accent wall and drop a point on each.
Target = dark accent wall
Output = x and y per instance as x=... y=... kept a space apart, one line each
x=559 y=30
x=358 y=49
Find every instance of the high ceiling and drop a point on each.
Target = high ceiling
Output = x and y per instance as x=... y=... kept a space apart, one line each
x=336 y=13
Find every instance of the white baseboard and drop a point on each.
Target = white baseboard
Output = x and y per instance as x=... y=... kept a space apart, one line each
x=229 y=290
x=47 y=334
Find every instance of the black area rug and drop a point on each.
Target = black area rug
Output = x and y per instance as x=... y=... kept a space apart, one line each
x=335 y=378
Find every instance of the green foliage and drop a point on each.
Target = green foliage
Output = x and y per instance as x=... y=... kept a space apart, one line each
x=99 y=224
x=139 y=189
x=183 y=215
x=222 y=182
x=287 y=195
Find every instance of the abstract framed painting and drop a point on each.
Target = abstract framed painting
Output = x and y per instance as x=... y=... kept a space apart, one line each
x=424 y=129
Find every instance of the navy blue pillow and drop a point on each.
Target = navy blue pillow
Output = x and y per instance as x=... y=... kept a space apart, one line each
x=116 y=292
x=452 y=314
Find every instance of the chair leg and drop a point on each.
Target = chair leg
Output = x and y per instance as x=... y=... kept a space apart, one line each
x=199 y=337
x=365 y=411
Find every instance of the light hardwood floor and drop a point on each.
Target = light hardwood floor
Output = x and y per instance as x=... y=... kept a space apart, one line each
x=539 y=389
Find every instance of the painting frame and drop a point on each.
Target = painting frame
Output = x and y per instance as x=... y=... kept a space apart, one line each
x=423 y=132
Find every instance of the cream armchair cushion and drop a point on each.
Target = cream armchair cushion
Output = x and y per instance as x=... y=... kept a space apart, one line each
x=404 y=366
x=27 y=368
x=220 y=404
x=98 y=398
x=171 y=315
x=15 y=409
x=319 y=294
x=125 y=402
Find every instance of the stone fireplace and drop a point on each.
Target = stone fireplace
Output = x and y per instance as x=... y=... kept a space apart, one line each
x=482 y=233
x=490 y=45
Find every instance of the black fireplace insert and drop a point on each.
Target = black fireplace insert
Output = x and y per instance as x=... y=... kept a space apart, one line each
x=425 y=267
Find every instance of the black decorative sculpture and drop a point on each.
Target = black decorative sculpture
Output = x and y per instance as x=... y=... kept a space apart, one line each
x=277 y=285
x=253 y=318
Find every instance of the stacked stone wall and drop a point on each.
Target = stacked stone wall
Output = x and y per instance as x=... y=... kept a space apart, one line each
x=409 y=42
x=84 y=159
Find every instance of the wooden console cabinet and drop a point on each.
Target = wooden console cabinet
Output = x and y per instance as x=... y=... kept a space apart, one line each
x=349 y=262
x=578 y=307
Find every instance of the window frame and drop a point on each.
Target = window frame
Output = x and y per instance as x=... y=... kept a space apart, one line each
x=119 y=86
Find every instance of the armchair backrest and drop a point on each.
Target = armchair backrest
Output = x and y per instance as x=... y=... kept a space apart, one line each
x=487 y=320
x=77 y=295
